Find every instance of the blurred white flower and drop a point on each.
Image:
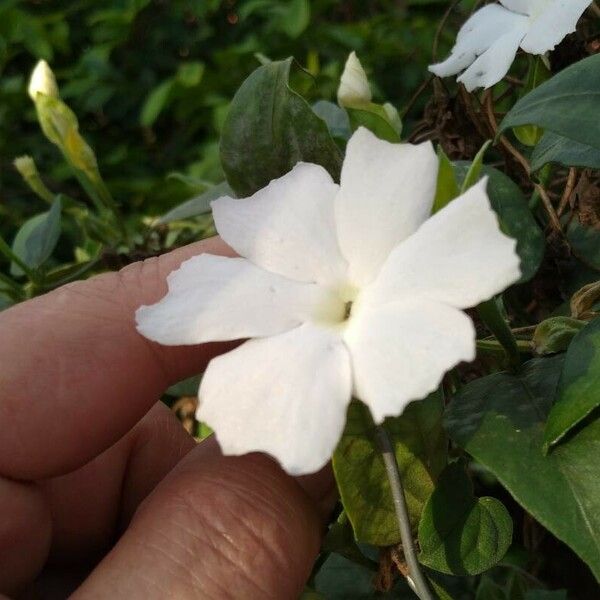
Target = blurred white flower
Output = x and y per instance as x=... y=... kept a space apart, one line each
x=487 y=43
x=42 y=81
x=354 y=86
x=347 y=290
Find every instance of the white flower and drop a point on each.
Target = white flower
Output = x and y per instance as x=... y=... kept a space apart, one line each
x=42 y=81
x=347 y=290
x=354 y=86
x=487 y=43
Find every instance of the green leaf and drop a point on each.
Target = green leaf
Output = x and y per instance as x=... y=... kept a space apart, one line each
x=420 y=445
x=269 y=129
x=474 y=172
x=584 y=242
x=578 y=391
x=156 y=101
x=515 y=218
x=555 y=334
x=295 y=17
x=190 y=74
x=37 y=238
x=460 y=534
x=341 y=579
x=555 y=148
x=375 y=118
x=499 y=420
x=198 y=205
x=567 y=104
x=336 y=118
x=447 y=187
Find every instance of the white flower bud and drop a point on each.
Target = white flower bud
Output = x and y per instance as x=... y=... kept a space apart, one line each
x=25 y=166
x=354 y=86
x=42 y=81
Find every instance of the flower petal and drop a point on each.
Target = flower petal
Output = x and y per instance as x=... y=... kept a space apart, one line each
x=285 y=395
x=386 y=192
x=214 y=298
x=478 y=34
x=523 y=7
x=552 y=24
x=458 y=257
x=287 y=227
x=489 y=68
x=401 y=351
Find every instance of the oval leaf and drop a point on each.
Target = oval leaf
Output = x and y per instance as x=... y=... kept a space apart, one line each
x=420 y=445
x=37 y=238
x=269 y=129
x=567 y=104
x=461 y=534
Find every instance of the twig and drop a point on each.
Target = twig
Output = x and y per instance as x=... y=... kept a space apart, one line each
x=415 y=96
x=440 y=28
x=571 y=180
x=549 y=208
x=417 y=579
x=489 y=107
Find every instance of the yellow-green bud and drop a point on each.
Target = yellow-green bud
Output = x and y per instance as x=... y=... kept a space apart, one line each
x=25 y=166
x=42 y=81
x=29 y=172
x=354 y=87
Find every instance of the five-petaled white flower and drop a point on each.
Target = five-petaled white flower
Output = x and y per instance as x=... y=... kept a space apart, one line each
x=347 y=290
x=487 y=43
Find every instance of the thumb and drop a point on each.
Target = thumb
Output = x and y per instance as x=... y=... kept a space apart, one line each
x=218 y=527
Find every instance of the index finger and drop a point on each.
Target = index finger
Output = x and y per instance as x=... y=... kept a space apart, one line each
x=75 y=375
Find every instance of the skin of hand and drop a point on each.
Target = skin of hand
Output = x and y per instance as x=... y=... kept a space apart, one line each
x=102 y=492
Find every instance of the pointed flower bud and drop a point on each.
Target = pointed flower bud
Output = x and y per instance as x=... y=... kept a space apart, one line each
x=354 y=86
x=25 y=166
x=42 y=81
x=28 y=171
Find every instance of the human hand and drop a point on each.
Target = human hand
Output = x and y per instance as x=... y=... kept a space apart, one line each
x=99 y=483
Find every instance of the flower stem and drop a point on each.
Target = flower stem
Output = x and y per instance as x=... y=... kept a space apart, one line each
x=494 y=321
x=419 y=583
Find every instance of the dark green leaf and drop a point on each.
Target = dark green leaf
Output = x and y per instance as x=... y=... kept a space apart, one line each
x=37 y=238
x=198 y=205
x=546 y=595
x=341 y=579
x=578 y=391
x=567 y=104
x=461 y=534
x=420 y=445
x=585 y=242
x=515 y=218
x=269 y=129
x=499 y=420
x=554 y=148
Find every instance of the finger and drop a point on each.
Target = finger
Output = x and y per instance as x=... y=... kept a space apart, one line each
x=87 y=509
x=75 y=375
x=25 y=530
x=216 y=527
